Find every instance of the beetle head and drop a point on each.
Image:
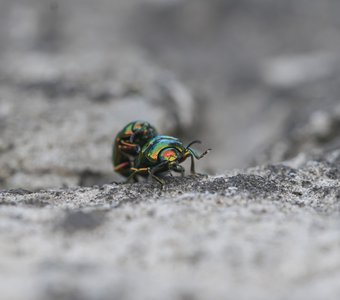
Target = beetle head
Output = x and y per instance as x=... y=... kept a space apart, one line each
x=143 y=132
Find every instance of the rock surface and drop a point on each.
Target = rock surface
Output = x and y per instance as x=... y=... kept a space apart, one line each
x=306 y=131
x=263 y=66
x=67 y=87
x=256 y=81
x=60 y=114
x=262 y=233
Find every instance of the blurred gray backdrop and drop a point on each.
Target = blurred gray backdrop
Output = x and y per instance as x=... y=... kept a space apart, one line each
x=263 y=75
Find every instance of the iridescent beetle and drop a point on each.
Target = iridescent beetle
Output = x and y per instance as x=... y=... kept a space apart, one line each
x=128 y=144
x=163 y=153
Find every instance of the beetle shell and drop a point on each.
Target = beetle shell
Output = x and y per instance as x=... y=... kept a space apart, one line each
x=163 y=153
x=125 y=150
x=160 y=148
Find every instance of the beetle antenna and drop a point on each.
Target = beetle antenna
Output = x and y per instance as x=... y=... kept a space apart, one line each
x=196 y=155
x=194 y=142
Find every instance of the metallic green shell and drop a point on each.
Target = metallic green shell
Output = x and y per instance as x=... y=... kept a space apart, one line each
x=149 y=155
x=124 y=135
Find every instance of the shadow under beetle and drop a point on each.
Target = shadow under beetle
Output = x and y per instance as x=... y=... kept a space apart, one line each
x=128 y=144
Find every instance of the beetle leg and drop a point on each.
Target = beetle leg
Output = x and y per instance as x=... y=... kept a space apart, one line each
x=125 y=146
x=179 y=169
x=122 y=166
x=157 y=168
x=192 y=153
x=136 y=171
x=192 y=166
x=160 y=180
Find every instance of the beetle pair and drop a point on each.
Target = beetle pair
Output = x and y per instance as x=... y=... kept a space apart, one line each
x=139 y=150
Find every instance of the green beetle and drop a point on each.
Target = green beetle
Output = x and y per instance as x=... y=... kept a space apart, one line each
x=128 y=144
x=163 y=153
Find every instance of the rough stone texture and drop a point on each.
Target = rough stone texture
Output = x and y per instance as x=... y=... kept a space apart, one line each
x=267 y=73
x=67 y=87
x=262 y=65
x=309 y=132
x=262 y=233
x=59 y=115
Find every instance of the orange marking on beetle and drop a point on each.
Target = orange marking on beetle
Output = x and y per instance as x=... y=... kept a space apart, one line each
x=170 y=155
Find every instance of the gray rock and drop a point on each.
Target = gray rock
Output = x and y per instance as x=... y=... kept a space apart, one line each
x=262 y=233
x=306 y=131
x=59 y=114
x=72 y=73
x=261 y=64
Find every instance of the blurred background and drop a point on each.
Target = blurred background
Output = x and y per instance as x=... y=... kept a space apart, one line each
x=256 y=80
